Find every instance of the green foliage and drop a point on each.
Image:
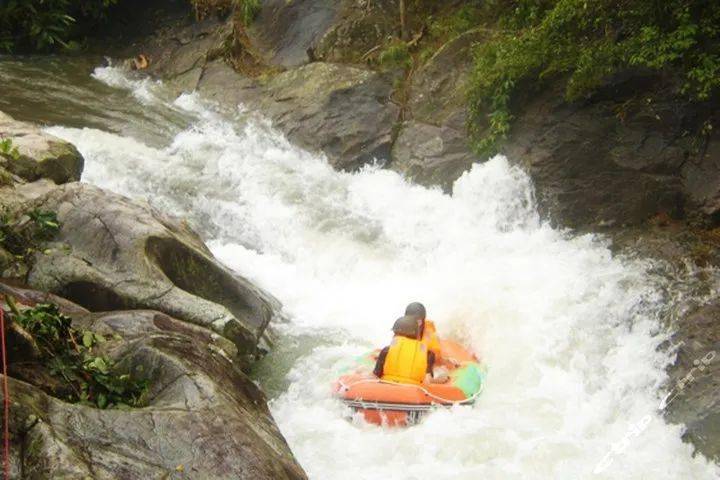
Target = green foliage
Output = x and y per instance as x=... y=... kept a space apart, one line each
x=8 y=149
x=587 y=42
x=395 y=55
x=46 y=223
x=90 y=378
x=46 y=24
x=247 y=10
x=23 y=236
x=458 y=21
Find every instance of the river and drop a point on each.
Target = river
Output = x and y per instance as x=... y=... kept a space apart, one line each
x=569 y=332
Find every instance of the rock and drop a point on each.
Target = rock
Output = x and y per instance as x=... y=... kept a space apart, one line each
x=694 y=385
x=204 y=417
x=438 y=89
x=114 y=253
x=432 y=148
x=591 y=166
x=431 y=155
x=284 y=32
x=358 y=27
x=701 y=175
x=31 y=298
x=6 y=261
x=342 y=111
x=40 y=155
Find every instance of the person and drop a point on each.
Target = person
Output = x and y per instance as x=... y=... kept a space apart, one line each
x=408 y=359
x=429 y=332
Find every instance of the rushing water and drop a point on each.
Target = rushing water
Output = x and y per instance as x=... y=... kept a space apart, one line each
x=569 y=333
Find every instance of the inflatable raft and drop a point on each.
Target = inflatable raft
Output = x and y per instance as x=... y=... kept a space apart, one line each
x=398 y=404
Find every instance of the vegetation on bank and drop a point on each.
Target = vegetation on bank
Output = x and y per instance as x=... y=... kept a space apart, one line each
x=82 y=374
x=23 y=235
x=49 y=25
x=586 y=43
x=580 y=43
x=43 y=25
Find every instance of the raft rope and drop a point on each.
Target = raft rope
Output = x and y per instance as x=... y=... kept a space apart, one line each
x=6 y=401
x=443 y=401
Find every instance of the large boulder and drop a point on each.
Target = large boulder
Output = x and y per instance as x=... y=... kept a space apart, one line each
x=115 y=253
x=432 y=147
x=358 y=28
x=33 y=154
x=286 y=33
x=614 y=159
x=342 y=111
x=203 y=419
x=431 y=155
x=694 y=387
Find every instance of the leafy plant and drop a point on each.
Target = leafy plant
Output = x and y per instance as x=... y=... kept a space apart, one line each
x=588 y=42
x=46 y=222
x=47 y=24
x=8 y=149
x=90 y=378
x=23 y=236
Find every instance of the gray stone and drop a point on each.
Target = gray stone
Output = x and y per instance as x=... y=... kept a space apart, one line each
x=695 y=379
x=204 y=418
x=284 y=32
x=432 y=148
x=591 y=168
x=439 y=88
x=701 y=176
x=342 y=111
x=431 y=155
x=41 y=155
x=113 y=253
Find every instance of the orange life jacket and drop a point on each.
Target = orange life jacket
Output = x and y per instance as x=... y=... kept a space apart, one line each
x=406 y=361
x=430 y=338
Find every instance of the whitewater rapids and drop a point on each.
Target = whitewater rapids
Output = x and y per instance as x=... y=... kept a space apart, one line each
x=569 y=332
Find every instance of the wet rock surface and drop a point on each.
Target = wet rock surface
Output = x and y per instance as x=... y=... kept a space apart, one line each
x=287 y=33
x=114 y=253
x=204 y=418
x=694 y=387
x=339 y=110
x=432 y=147
x=33 y=154
x=616 y=159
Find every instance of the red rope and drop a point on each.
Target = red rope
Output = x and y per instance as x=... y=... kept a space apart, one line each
x=6 y=401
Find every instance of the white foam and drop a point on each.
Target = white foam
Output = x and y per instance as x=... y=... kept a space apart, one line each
x=143 y=89
x=568 y=332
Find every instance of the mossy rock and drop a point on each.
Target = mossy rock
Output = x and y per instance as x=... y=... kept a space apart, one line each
x=38 y=154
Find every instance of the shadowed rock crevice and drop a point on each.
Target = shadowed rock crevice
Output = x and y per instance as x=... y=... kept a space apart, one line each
x=93 y=296
x=195 y=274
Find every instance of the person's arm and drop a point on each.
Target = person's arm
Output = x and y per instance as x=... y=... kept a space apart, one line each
x=429 y=369
x=380 y=363
x=430 y=363
x=430 y=375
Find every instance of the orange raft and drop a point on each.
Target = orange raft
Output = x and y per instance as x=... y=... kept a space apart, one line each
x=398 y=404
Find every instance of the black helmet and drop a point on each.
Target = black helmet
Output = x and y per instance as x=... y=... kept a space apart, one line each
x=417 y=309
x=407 y=326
